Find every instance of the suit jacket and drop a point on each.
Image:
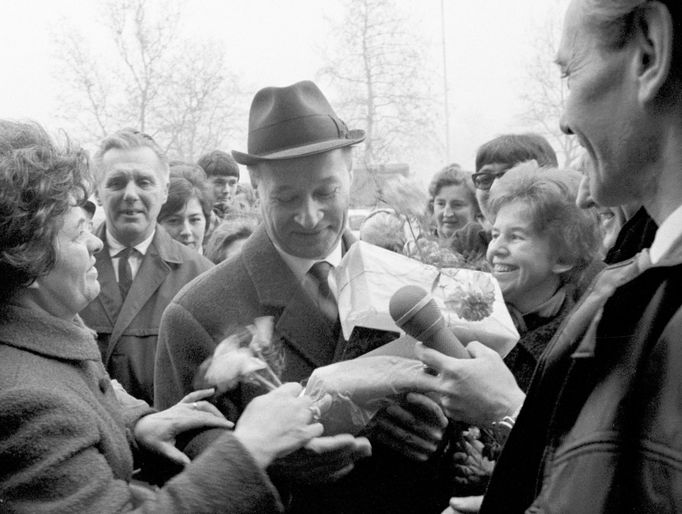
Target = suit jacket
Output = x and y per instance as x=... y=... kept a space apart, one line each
x=127 y=331
x=601 y=428
x=257 y=282
x=65 y=437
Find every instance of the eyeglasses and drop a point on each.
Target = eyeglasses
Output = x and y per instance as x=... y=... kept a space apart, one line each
x=485 y=179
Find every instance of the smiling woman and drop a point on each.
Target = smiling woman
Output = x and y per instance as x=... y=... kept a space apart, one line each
x=542 y=242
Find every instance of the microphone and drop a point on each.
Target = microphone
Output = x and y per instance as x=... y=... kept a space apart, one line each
x=416 y=312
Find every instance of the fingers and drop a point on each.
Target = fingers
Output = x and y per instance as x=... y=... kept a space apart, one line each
x=415 y=446
x=195 y=396
x=406 y=419
x=432 y=358
x=426 y=409
x=290 y=388
x=466 y=503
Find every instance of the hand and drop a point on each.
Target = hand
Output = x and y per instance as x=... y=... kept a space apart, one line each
x=278 y=423
x=479 y=390
x=464 y=505
x=322 y=460
x=157 y=432
x=471 y=467
x=413 y=428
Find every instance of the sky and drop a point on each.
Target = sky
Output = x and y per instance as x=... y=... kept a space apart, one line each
x=276 y=42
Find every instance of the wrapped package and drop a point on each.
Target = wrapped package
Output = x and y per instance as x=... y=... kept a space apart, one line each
x=359 y=388
x=471 y=301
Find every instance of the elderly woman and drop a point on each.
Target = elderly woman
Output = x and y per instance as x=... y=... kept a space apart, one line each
x=187 y=211
x=68 y=436
x=452 y=200
x=541 y=244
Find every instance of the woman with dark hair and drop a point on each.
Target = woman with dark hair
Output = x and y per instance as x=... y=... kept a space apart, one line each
x=187 y=210
x=452 y=200
x=68 y=435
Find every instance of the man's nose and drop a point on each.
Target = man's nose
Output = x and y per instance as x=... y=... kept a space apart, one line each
x=130 y=192
x=309 y=214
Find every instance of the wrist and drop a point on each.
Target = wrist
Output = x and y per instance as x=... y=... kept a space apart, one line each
x=256 y=447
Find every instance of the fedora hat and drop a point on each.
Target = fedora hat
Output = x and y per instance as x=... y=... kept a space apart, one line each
x=293 y=121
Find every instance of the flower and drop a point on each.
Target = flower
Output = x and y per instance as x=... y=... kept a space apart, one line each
x=473 y=299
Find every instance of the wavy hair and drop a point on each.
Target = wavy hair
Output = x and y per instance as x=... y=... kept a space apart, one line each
x=39 y=182
x=452 y=175
x=549 y=195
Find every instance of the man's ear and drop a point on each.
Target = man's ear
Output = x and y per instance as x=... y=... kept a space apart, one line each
x=654 y=54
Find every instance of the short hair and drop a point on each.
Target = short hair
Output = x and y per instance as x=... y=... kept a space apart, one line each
x=180 y=191
x=452 y=175
x=235 y=227
x=614 y=23
x=549 y=194
x=127 y=139
x=513 y=149
x=39 y=182
x=219 y=163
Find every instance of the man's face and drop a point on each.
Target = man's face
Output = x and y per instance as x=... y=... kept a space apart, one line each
x=601 y=110
x=487 y=176
x=132 y=189
x=224 y=189
x=304 y=202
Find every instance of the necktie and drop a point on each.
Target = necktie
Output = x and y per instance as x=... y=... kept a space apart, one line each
x=125 y=272
x=324 y=297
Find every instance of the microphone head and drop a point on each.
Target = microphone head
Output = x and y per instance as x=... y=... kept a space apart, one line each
x=413 y=310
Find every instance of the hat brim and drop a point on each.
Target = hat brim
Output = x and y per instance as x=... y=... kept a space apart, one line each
x=355 y=137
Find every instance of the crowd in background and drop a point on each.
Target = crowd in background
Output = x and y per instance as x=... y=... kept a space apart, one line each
x=122 y=271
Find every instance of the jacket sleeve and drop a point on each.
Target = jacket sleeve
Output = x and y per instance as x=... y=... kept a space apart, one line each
x=182 y=346
x=52 y=462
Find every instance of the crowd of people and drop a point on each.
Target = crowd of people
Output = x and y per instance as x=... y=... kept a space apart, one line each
x=122 y=272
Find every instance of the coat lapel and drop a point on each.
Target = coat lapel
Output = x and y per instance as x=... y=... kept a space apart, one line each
x=300 y=322
x=110 y=294
x=149 y=277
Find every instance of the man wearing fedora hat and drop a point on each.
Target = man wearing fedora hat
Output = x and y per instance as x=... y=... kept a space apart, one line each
x=299 y=160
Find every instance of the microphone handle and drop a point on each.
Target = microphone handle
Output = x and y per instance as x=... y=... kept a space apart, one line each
x=443 y=340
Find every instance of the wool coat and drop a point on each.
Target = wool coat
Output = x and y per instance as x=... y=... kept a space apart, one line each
x=127 y=331
x=65 y=436
x=258 y=282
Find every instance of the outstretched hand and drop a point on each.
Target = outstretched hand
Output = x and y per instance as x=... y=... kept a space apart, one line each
x=280 y=422
x=479 y=390
x=157 y=432
x=413 y=427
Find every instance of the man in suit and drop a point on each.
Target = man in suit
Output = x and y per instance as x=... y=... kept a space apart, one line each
x=601 y=427
x=141 y=267
x=299 y=161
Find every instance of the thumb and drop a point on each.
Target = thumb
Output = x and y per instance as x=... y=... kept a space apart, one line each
x=466 y=503
x=172 y=453
x=477 y=349
x=432 y=358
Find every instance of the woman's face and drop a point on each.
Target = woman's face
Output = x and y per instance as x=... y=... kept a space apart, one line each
x=452 y=209
x=523 y=261
x=188 y=225
x=72 y=283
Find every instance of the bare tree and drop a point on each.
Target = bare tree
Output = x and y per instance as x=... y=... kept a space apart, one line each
x=150 y=78
x=544 y=93
x=379 y=68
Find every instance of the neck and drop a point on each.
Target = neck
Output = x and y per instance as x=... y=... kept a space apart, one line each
x=531 y=300
x=666 y=193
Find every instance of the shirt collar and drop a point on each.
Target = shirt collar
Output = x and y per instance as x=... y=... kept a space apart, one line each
x=300 y=266
x=115 y=247
x=666 y=250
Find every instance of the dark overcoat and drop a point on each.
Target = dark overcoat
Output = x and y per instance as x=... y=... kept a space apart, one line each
x=127 y=332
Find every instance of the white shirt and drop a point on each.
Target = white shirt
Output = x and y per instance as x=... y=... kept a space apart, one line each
x=666 y=250
x=135 y=258
x=300 y=265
